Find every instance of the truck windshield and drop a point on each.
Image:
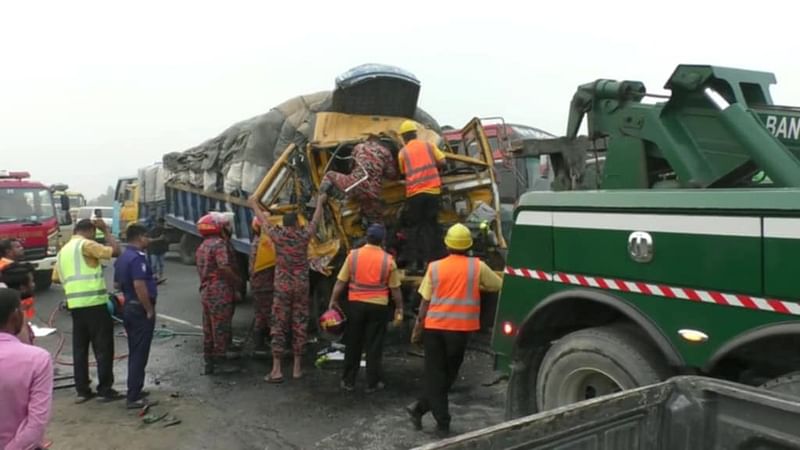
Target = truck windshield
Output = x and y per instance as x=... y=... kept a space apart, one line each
x=25 y=205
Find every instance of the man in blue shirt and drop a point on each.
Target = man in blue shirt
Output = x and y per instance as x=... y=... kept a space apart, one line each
x=134 y=277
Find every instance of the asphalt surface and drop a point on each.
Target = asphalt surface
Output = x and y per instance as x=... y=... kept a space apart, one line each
x=241 y=411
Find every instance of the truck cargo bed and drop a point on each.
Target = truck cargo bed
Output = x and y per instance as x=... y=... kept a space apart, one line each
x=681 y=413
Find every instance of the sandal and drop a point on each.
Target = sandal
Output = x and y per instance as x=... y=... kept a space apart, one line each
x=271 y=380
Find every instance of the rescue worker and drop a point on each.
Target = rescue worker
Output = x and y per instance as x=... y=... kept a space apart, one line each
x=449 y=313
x=219 y=284
x=79 y=269
x=373 y=164
x=15 y=276
x=370 y=274
x=19 y=276
x=10 y=250
x=262 y=285
x=291 y=304
x=133 y=275
x=99 y=235
x=420 y=162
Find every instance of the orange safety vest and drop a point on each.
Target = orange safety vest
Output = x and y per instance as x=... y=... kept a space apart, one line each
x=420 y=167
x=369 y=274
x=26 y=305
x=456 y=301
x=4 y=262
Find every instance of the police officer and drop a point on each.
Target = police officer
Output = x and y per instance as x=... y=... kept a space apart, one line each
x=420 y=162
x=370 y=274
x=133 y=275
x=79 y=269
x=449 y=313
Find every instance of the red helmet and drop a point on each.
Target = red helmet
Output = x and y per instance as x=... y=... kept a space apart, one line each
x=212 y=224
x=331 y=322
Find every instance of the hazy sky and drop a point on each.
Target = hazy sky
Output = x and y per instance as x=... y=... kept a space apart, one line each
x=90 y=91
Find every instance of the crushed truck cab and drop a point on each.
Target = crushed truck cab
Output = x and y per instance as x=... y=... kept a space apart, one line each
x=677 y=258
x=468 y=188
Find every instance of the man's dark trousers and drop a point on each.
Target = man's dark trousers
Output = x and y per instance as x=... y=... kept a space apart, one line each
x=93 y=325
x=366 y=329
x=421 y=218
x=444 y=353
x=140 y=335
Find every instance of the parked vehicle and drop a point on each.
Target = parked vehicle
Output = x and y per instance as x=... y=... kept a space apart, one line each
x=684 y=413
x=28 y=213
x=126 y=204
x=670 y=257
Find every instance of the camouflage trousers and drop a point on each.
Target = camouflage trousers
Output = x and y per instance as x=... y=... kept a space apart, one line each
x=367 y=194
x=262 y=286
x=217 y=302
x=290 y=310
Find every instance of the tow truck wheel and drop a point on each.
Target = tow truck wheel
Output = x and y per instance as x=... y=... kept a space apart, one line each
x=595 y=362
x=787 y=384
x=187 y=248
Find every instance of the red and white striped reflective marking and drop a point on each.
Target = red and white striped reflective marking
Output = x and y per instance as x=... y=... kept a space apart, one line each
x=660 y=290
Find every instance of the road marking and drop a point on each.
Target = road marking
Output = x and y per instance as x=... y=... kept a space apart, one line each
x=180 y=321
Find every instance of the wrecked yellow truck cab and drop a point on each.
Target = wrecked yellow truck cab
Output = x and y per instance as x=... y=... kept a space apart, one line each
x=469 y=193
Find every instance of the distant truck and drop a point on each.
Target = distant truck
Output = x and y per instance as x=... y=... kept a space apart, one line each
x=671 y=257
x=28 y=213
x=515 y=175
x=126 y=204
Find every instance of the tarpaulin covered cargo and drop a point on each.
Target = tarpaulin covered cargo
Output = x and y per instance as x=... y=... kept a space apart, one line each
x=235 y=161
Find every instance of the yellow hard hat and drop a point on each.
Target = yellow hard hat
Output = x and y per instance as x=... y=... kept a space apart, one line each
x=458 y=237
x=408 y=126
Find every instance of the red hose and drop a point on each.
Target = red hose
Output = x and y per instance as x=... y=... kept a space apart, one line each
x=61 y=340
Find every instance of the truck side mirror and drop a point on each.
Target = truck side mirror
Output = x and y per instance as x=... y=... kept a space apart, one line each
x=65 y=203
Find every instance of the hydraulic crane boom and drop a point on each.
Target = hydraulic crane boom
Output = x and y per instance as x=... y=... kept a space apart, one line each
x=717 y=129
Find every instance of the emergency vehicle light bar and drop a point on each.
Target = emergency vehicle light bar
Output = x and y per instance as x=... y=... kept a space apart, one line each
x=14 y=174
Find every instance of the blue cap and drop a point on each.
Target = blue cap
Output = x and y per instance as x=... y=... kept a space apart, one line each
x=376 y=232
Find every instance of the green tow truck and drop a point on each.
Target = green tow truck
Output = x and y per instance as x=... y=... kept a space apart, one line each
x=660 y=251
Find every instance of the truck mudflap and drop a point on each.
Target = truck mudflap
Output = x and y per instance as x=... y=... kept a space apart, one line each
x=683 y=413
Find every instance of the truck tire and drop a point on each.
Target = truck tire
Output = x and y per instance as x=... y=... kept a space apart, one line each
x=787 y=384
x=43 y=279
x=597 y=361
x=187 y=248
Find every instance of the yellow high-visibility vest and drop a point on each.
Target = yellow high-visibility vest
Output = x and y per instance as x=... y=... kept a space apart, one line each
x=84 y=286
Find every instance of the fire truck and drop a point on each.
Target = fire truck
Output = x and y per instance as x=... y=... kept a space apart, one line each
x=28 y=213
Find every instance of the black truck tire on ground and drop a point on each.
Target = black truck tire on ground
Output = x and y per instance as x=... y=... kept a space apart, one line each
x=787 y=384
x=43 y=279
x=187 y=248
x=597 y=361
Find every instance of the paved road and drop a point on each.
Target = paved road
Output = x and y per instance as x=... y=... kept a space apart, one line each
x=243 y=412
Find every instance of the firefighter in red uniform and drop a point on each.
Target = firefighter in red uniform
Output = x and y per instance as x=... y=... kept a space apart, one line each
x=291 y=304
x=449 y=313
x=364 y=184
x=370 y=275
x=420 y=162
x=219 y=284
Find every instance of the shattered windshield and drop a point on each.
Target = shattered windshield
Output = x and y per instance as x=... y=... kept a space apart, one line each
x=25 y=205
